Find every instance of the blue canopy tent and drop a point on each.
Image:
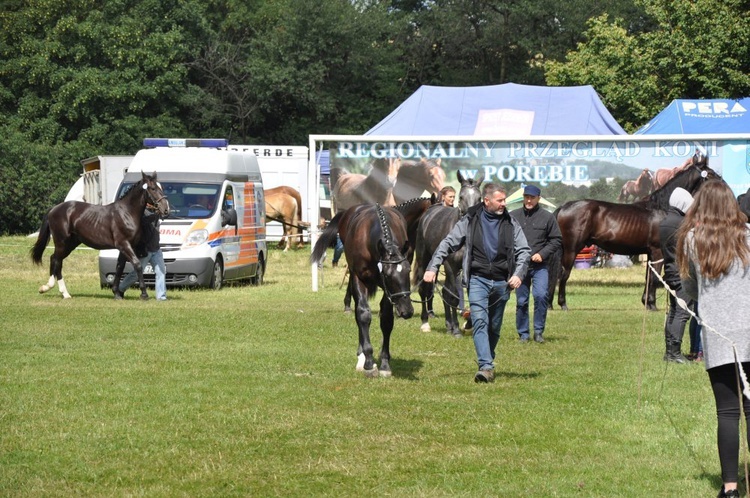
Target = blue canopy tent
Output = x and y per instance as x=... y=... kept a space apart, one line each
x=500 y=110
x=708 y=116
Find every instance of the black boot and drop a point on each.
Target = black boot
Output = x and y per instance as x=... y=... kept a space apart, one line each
x=735 y=493
x=674 y=352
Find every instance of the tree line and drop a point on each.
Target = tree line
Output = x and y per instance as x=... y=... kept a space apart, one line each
x=80 y=78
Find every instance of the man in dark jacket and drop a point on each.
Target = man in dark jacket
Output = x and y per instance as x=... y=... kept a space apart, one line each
x=496 y=256
x=148 y=251
x=674 y=327
x=545 y=239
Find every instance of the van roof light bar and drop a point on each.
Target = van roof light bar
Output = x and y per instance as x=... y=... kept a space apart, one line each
x=185 y=142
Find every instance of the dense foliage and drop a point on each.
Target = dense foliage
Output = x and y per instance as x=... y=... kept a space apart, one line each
x=80 y=78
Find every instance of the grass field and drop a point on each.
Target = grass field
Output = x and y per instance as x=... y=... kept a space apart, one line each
x=251 y=391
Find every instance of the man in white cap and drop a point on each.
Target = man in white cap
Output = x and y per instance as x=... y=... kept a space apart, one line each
x=545 y=239
x=674 y=327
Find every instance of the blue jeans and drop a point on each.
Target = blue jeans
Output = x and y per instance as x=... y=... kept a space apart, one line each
x=338 y=250
x=487 y=299
x=538 y=279
x=160 y=271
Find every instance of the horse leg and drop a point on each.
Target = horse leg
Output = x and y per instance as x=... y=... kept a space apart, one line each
x=62 y=251
x=450 y=303
x=386 y=327
x=363 y=317
x=425 y=290
x=568 y=259
x=348 y=296
x=649 y=291
x=127 y=252
x=119 y=269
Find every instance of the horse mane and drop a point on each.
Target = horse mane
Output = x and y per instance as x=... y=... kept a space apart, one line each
x=131 y=188
x=387 y=236
x=406 y=204
x=684 y=179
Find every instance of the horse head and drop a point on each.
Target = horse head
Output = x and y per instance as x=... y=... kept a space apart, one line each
x=386 y=169
x=394 y=267
x=690 y=177
x=469 y=194
x=154 y=195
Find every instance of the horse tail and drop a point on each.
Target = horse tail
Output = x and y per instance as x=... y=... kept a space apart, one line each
x=326 y=239
x=41 y=242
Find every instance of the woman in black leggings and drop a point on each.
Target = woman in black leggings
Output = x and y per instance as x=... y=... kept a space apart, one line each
x=713 y=254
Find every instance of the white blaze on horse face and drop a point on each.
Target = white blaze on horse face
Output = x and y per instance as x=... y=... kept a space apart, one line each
x=380 y=266
x=399 y=267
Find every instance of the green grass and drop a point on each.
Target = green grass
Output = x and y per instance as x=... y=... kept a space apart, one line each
x=251 y=391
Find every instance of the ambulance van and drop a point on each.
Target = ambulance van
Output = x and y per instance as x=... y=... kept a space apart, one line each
x=216 y=229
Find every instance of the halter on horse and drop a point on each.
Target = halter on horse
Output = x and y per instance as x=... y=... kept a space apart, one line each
x=434 y=226
x=113 y=226
x=375 y=246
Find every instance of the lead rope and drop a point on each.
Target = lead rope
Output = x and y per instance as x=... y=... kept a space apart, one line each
x=743 y=388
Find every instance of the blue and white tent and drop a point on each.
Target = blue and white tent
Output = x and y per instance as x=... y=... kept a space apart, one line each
x=704 y=116
x=500 y=110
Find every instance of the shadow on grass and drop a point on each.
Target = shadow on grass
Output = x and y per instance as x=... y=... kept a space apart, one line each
x=406 y=369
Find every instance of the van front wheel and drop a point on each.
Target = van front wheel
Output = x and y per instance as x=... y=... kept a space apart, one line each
x=217 y=278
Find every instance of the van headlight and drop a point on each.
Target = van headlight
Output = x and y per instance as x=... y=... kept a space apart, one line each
x=196 y=238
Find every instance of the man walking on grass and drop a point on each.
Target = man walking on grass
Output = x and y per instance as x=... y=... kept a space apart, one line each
x=495 y=259
x=545 y=239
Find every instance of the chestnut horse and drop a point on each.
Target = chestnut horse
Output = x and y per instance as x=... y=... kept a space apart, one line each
x=112 y=226
x=416 y=177
x=638 y=188
x=622 y=228
x=351 y=189
x=284 y=204
x=375 y=246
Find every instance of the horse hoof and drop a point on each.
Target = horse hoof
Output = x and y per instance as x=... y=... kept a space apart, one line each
x=425 y=327
x=385 y=373
x=371 y=374
x=43 y=289
x=347 y=309
x=144 y=297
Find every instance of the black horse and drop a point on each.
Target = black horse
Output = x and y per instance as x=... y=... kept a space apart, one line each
x=433 y=227
x=375 y=246
x=628 y=229
x=112 y=226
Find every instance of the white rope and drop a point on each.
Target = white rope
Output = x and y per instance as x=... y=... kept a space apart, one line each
x=682 y=304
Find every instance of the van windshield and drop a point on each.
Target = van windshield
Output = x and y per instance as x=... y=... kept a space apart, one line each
x=187 y=200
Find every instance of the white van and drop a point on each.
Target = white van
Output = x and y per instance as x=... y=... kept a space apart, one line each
x=216 y=228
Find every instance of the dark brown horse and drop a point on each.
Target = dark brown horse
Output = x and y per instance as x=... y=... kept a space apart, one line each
x=351 y=189
x=433 y=228
x=412 y=210
x=416 y=177
x=112 y=226
x=638 y=188
x=375 y=246
x=284 y=204
x=628 y=229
